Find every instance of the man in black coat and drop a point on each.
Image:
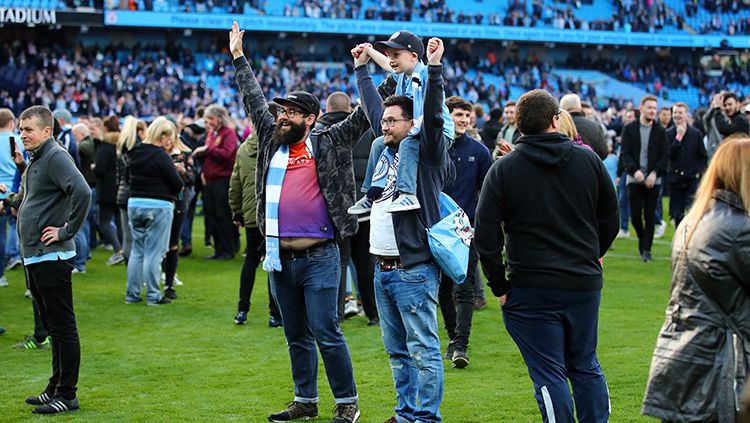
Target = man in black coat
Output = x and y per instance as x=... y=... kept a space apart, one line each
x=491 y=128
x=591 y=132
x=688 y=159
x=644 y=157
x=356 y=247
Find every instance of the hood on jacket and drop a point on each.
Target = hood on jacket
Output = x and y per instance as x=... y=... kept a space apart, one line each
x=142 y=153
x=332 y=118
x=552 y=149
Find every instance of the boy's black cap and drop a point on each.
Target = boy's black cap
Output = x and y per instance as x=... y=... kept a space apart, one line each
x=402 y=40
x=302 y=99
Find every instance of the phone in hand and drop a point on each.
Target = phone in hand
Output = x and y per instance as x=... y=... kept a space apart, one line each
x=12 y=142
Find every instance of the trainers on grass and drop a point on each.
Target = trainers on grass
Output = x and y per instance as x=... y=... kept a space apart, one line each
x=295 y=411
x=57 y=405
x=41 y=399
x=345 y=413
x=29 y=343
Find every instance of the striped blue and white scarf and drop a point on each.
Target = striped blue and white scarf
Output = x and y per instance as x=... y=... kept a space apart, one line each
x=274 y=181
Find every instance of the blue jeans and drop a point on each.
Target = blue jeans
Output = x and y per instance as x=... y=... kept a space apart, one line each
x=186 y=232
x=82 y=246
x=407 y=303
x=3 y=232
x=622 y=193
x=556 y=332
x=150 y=228
x=408 y=163
x=306 y=291
x=92 y=219
x=12 y=249
x=660 y=205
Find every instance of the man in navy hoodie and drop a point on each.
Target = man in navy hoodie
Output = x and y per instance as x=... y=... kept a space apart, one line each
x=553 y=207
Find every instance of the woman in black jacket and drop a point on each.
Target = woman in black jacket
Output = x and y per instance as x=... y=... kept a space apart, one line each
x=702 y=353
x=133 y=131
x=106 y=182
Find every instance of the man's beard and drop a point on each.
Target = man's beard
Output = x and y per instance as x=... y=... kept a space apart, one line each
x=291 y=136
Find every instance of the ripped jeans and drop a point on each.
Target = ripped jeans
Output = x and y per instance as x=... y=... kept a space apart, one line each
x=407 y=304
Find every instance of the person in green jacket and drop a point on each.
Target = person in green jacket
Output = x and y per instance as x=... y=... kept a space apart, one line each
x=243 y=204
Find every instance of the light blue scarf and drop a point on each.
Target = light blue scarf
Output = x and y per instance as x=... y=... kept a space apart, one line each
x=274 y=181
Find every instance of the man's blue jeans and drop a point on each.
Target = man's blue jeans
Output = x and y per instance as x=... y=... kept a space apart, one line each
x=408 y=163
x=150 y=228
x=82 y=246
x=622 y=197
x=306 y=291
x=556 y=332
x=407 y=304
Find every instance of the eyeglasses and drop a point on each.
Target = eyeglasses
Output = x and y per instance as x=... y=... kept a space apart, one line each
x=390 y=123
x=291 y=113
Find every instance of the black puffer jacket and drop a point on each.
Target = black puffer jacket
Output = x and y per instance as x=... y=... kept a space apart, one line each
x=700 y=363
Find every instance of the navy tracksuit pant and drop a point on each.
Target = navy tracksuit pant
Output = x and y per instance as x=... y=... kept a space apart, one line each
x=556 y=332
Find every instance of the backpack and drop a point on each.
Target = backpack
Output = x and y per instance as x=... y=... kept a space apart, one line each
x=450 y=239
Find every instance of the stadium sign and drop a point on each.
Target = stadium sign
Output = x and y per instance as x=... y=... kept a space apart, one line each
x=364 y=27
x=27 y=16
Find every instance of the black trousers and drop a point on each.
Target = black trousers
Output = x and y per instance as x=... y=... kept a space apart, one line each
x=50 y=284
x=357 y=248
x=254 y=251
x=219 y=216
x=643 y=213
x=680 y=198
x=457 y=303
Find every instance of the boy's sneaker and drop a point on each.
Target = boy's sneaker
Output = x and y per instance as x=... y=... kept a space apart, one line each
x=41 y=399
x=345 y=413
x=460 y=358
x=29 y=343
x=57 y=405
x=170 y=293
x=295 y=411
x=115 y=259
x=364 y=205
x=12 y=263
x=404 y=202
x=240 y=318
x=3 y=281
x=623 y=233
x=162 y=301
x=351 y=309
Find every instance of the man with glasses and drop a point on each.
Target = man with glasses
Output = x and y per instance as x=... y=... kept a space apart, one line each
x=304 y=185
x=550 y=299
x=406 y=277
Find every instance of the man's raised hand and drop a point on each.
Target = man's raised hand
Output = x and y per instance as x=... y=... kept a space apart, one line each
x=235 y=40
x=435 y=50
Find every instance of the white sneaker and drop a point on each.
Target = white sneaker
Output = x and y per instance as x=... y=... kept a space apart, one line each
x=3 y=282
x=78 y=271
x=364 y=205
x=12 y=263
x=176 y=281
x=623 y=234
x=660 y=228
x=351 y=309
x=27 y=294
x=404 y=202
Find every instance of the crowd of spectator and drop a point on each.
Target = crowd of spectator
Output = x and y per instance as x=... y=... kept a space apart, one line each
x=175 y=80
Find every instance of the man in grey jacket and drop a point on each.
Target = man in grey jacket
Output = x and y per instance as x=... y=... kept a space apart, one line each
x=55 y=203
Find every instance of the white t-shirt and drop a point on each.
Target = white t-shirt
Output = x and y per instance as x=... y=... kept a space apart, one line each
x=382 y=235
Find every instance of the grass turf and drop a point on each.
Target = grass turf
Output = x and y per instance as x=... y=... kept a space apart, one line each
x=189 y=362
